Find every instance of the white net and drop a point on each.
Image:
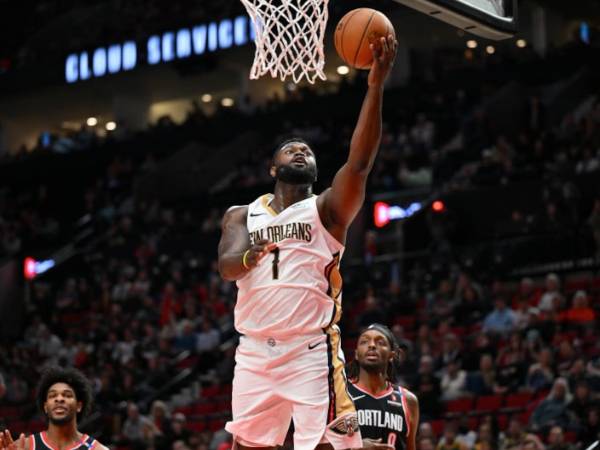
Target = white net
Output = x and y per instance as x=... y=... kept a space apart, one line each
x=289 y=38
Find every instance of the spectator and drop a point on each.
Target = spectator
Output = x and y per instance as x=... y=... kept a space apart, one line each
x=449 y=440
x=553 y=409
x=510 y=363
x=450 y=350
x=138 y=430
x=426 y=443
x=454 y=381
x=541 y=373
x=556 y=439
x=501 y=320
x=483 y=382
x=551 y=295
x=590 y=430
x=582 y=402
x=515 y=436
x=177 y=430
x=208 y=339
x=427 y=386
x=579 y=313
x=527 y=293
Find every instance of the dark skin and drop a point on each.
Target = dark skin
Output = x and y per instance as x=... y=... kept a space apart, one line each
x=337 y=205
x=61 y=407
x=373 y=354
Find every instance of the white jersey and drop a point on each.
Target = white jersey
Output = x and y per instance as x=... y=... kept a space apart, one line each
x=297 y=288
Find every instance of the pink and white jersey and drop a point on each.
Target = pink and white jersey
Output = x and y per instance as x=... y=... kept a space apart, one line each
x=296 y=289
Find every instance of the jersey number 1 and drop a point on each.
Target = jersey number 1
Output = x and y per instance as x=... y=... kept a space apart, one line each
x=275 y=252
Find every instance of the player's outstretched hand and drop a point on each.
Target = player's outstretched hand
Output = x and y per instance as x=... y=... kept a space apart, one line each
x=255 y=253
x=375 y=444
x=384 y=54
x=7 y=443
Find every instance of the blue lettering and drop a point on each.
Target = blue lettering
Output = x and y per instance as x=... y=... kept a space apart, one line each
x=114 y=58
x=99 y=62
x=199 y=39
x=184 y=43
x=84 y=67
x=168 y=53
x=225 y=34
x=71 y=69
x=212 y=36
x=240 y=27
x=129 y=55
x=153 y=50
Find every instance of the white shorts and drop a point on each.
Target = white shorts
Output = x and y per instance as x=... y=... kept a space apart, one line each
x=300 y=379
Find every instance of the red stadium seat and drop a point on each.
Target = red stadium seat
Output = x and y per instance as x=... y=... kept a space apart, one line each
x=203 y=409
x=406 y=322
x=437 y=426
x=459 y=405
x=473 y=423
x=487 y=403
x=518 y=400
x=570 y=436
x=196 y=425
x=225 y=389
x=216 y=425
x=210 y=391
x=502 y=421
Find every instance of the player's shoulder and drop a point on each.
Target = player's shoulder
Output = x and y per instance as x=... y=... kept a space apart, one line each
x=235 y=213
x=410 y=397
x=99 y=446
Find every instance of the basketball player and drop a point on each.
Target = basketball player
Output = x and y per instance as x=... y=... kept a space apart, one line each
x=284 y=251
x=386 y=412
x=64 y=396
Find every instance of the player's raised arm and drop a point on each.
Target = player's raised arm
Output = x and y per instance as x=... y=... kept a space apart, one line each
x=339 y=205
x=7 y=443
x=236 y=255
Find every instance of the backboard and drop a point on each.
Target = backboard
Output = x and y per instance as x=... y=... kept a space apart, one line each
x=491 y=19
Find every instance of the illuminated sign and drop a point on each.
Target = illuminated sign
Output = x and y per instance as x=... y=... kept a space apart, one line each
x=384 y=213
x=33 y=268
x=163 y=48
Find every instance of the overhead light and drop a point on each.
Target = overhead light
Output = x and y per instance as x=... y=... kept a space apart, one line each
x=227 y=102
x=206 y=98
x=521 y=43
x=343 y=70
x=92 y=122
x=472 y=43
x=490 y=50
x=110 y=126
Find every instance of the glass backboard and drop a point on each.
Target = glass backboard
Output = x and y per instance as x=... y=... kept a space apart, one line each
x=492 y=19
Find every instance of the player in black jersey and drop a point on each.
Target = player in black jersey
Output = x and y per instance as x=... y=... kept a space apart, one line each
x=64 y=396
x=387 y=413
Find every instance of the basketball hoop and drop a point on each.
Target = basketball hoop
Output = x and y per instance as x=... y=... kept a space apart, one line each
x=289 y=38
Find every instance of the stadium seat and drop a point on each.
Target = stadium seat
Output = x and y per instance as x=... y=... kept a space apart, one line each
x=216 y=425
x=204 y=408
x=487 y=403
x=502 y=420
x=518 y=400
x=196 y=425
x=459 y=405
x=437 y=427
x=406 y=322
x=210 y=391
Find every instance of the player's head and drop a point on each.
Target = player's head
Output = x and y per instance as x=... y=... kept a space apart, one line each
x=64 y=395
x=376 y=351
x=294 y=162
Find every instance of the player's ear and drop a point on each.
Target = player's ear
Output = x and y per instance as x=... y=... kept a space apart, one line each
x=273 y=170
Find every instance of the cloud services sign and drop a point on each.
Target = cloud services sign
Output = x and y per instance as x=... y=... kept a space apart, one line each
x=163 y=48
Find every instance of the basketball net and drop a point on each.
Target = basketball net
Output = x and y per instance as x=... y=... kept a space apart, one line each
x=289 y=38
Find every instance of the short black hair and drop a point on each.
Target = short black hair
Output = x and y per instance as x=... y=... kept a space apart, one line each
x=289 y=141
x=71 y=377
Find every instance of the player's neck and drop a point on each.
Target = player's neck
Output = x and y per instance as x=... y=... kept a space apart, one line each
x=375 y=383
x=63 y=436
x=286 y=194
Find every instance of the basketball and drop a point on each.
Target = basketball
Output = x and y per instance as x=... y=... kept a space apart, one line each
x=356 y=31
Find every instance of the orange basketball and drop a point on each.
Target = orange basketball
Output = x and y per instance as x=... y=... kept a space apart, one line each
x=356 y=31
